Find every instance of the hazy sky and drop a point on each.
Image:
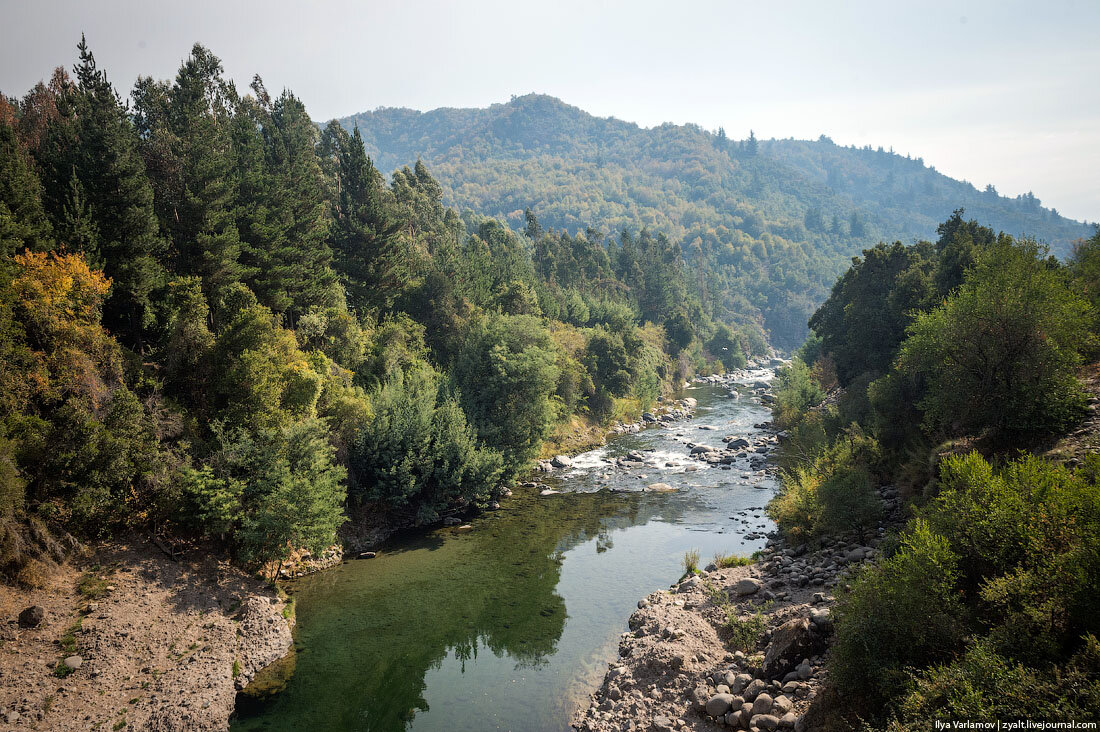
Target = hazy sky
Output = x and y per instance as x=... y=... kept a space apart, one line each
x=992 y=92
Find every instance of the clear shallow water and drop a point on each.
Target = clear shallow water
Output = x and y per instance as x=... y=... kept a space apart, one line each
x=508 y=625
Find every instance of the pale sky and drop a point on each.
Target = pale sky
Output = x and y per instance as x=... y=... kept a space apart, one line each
x=1000 y=92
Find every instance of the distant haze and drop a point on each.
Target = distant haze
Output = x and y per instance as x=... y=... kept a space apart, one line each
x=991 y=92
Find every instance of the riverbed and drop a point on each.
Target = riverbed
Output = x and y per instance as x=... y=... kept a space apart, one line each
x=509 y=624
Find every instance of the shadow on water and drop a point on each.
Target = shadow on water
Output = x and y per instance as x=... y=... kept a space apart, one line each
x=469 y=629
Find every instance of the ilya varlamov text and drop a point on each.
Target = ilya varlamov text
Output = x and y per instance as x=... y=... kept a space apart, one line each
x=1016 y=724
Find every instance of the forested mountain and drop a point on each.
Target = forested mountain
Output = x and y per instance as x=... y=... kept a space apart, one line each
x=765 y=225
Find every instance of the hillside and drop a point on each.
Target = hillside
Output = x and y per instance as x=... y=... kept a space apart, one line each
x=767 y=226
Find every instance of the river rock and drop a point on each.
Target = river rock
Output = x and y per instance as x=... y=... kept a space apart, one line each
x=549 y=492
x=32 y=616
x=754 y=689
x=747 y=586
x=702 y=449
x=740 y=681
x=719 y=704
x=764 y=721
x=762 y=704
x=792 y=641
x=561 y=461
x=660 y=488
x=73 y=662
x=781 y=705
x=788 y=720
x=822 y=619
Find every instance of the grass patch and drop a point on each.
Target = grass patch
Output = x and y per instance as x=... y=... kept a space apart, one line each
x=91 y=586
x=120 y=724
x=61 y=670
x=288 y=610
x=68 y=641
x=742 y=634
x=691 y=562
x=725 y=561
x=236 y=668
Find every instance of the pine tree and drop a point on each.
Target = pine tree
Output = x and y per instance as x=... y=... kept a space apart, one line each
x=23 y=223
x=752 y=147
x=365 y=235
x=101 y=196
x=185 y=129
x=282 y=209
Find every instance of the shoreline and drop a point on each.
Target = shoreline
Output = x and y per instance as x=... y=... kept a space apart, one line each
x=157 y=644
x=678 y=670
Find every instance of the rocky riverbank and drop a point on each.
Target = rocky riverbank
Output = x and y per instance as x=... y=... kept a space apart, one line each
x=740 y=647
x=134 y=639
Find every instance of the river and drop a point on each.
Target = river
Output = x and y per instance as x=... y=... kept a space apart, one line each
x=510 y=624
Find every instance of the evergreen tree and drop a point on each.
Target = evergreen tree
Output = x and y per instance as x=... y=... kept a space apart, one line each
x=23 y=222
x=282 y=209
x=185 y=130
x=365 y=234
x=101 y=197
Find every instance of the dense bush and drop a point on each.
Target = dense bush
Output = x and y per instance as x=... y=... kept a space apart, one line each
x=418 y=456
x=505 y=374
x=903 y=613
x=795 y=392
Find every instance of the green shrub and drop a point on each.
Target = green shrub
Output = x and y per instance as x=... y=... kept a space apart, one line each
x=797 y=509
x=981 y=684
x=904 y=612
x=742 y=634
x=795 y=393
x=418 y=457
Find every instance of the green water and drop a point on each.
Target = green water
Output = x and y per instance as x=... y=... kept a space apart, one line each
x=508 y=625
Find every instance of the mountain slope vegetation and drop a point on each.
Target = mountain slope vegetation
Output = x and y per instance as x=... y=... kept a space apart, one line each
x=765 y=225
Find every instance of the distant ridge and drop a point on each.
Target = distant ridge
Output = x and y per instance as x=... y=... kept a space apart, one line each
x=776 y=220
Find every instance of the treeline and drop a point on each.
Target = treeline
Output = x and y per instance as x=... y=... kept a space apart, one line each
x=217 y=318
x=948 y=369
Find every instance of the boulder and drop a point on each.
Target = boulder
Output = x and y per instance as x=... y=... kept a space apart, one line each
x=764 y=721
x=702 y=449
x=753 y=690
x=719 y=704
x=73 y=662
x=747 y=586
x=561 y=461
x=32 y=616
x=762 y=704
x=794 y=640
x=822 y=619
x=788 y=720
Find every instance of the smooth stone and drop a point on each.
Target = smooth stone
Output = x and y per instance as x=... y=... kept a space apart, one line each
x=73 y=662
x=719 y=704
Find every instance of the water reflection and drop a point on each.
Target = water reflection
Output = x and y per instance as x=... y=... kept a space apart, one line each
x=500 y=627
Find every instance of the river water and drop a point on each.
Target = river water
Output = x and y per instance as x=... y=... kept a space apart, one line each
x=510 y=624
